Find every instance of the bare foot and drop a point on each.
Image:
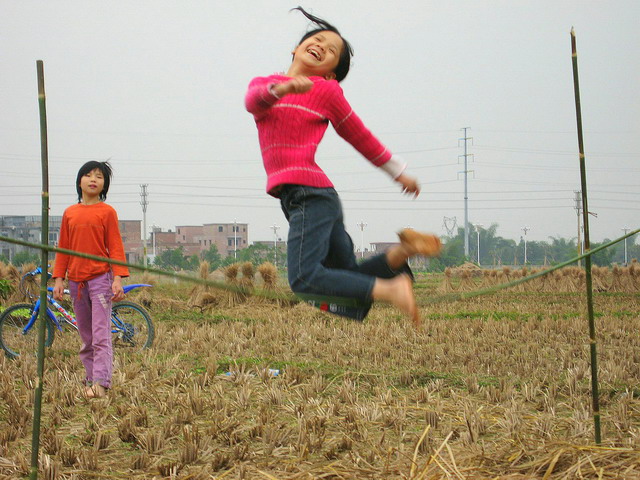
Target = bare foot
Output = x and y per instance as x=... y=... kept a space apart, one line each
x=417 y=243
x=398 y=291
x=95 y=391
x=406 y=300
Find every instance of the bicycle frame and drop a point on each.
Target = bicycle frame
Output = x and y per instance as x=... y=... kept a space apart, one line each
x=68 y=318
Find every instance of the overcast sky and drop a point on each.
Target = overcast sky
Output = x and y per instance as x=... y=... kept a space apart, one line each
x=157 y=87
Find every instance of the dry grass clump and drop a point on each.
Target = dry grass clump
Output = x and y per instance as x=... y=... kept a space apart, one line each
x=446 y=286
x=504 y=275
x=634 y=273
x=269 y=274
x=618 y=280
x=203 y=296
x=248 y=275
x=234 y=297
x=466 y=282
x=488 y=278
x=599 y=278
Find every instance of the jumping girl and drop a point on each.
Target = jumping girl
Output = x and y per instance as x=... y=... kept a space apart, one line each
x=292 y=112
x=91 y=226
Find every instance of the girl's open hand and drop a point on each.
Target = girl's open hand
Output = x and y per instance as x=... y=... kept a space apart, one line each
x=116 y=288
x=58 y=289
x=409 y=185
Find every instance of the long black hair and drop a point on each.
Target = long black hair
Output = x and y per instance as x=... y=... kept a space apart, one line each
x=104 y=167
x=344 y=63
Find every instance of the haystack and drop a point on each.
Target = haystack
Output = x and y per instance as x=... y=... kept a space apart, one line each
x=472 y=268
x=269 y=274
x=203 y=296
x=617 y=280
x=567 y=281
x=466 y=282
x=446 y=286
x=634 y=271
x=144 y=295
x=599 y=279
x=231 y=276
x=488 y=278
x=248 y=275
x=521 y=287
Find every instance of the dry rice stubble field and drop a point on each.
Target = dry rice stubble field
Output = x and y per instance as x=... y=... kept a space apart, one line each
x=492 y=387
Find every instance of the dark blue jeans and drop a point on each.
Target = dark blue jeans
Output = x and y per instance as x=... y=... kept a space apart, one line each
x=321 y=262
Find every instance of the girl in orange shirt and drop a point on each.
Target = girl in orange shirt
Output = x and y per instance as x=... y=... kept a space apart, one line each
x=91 y=226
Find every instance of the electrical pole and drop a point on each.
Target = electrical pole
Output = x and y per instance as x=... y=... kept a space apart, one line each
x=275 y=229
x=466 y=196
x=235 y=239
x=362 y=225
x=144 y=203
x=625 y=230
x=525 y=230
x=153 y=230
x=477 y=227
x=578 y=208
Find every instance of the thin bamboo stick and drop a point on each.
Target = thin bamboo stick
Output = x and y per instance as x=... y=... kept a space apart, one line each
x=595 y=396
x=42 y=318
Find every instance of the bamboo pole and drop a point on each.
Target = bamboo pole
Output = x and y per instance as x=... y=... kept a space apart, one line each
x=587 y=261
x=42 y=318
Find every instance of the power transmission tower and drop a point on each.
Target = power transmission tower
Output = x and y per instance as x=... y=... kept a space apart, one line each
x=144 y=203
x=466 y=195
x=453 y=221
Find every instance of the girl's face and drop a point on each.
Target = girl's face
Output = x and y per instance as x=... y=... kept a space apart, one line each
x=92 y=184
x=319 y=54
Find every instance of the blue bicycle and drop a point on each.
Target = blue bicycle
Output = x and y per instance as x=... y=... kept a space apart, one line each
x=131 y=324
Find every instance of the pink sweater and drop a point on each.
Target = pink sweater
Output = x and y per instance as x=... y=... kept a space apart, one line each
x=290 y=129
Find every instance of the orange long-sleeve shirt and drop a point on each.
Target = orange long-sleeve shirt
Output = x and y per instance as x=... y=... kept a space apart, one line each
x=89 y=229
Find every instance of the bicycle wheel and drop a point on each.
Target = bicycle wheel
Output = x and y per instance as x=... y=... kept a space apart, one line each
x=131 y=326
x=13 y=340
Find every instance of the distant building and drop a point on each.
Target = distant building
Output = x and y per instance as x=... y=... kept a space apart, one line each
x=195 y=239
x=28 y=229
x=131 y=232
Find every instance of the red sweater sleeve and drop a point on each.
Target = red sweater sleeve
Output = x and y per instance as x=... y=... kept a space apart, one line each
x=259 y=98
x=114 y=244
x=349 y=126
x=62 y=259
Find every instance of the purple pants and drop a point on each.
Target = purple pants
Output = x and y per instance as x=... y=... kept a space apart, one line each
x=92 y=306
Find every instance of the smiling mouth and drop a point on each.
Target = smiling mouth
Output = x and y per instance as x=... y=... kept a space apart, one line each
x=314 y=53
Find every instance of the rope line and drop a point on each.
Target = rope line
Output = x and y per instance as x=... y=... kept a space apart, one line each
x=342 y=301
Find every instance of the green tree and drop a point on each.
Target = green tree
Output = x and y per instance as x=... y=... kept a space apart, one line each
x=173 y=260
x=452 y=253
x=562 y=249
x=262 y=252
x=213 y=257
x=604 y=257
x=25 y=256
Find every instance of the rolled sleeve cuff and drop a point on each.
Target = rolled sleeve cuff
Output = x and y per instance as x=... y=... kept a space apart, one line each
x=394 y=167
